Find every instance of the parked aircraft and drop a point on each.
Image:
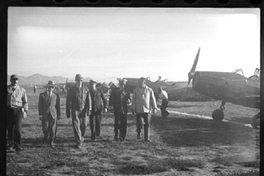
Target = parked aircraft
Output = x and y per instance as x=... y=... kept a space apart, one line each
x=175 y=91
x=227 y=87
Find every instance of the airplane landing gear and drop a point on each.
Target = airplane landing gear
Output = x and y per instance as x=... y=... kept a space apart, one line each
x=218 y=114
x=255 y=121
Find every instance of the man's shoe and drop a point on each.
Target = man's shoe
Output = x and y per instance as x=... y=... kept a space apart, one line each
x=79 y=146
x=138 y=137
x=53 y=147
x=18 y=148
x=147 y=140
x=44 y=140
x=116 y=138
x=10 y=149
x=9 y=144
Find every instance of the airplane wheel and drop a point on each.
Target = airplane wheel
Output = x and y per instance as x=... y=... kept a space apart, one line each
x=218 y=115
x=255 y=121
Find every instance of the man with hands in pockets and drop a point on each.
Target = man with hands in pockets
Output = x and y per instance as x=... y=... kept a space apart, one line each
x=78 y=106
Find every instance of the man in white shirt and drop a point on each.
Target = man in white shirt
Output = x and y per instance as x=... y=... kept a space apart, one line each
x=143 y=102
x=17 y=103
x=163 y=96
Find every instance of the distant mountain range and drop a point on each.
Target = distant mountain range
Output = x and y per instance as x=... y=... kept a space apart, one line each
x=38 y=79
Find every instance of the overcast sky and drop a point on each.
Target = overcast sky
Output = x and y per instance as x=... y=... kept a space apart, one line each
x=131 y=42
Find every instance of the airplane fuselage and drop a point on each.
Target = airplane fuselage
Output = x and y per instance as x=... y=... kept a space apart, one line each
x=228 y=87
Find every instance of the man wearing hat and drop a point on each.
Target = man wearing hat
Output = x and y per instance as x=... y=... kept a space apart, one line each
x=49 y=112
x=120 y=99
x=98 y=103
x=143 y=103
x=78 y=106
x=17 y=105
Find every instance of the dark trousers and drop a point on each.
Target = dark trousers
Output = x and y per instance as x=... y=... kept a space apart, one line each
x=120 y=125
x=49 y=128
x=79 y=124
x=95 y=123
x=164 y=112
x=143 y=118
x=14 y=121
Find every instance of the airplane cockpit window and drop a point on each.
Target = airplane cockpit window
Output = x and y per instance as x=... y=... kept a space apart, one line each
x=256 y=74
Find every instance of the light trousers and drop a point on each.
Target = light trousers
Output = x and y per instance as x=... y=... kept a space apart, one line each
x=79 y=124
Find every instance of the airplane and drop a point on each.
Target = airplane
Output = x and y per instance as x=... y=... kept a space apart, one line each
x=175 y=91
x=227 y=87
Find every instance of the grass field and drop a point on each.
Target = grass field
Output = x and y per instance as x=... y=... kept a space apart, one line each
x=180 y=145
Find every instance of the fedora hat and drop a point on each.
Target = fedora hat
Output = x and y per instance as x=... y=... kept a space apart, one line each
x=92 y=82
x=51 y=84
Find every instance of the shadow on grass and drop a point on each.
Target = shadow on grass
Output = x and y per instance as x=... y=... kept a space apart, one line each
x=184 y=106
x=157 y=166
x=188 y=132
x=241 y=173
x=39 y=141
x=245 y=120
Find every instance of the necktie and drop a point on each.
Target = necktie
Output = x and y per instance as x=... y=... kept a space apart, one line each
x=13 y=89
x=49 y=94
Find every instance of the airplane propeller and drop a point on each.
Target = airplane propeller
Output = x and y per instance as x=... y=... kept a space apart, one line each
x=192 y=71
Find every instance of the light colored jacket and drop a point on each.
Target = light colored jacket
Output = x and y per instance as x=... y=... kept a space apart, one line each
x=143 y=102
x=18 y=98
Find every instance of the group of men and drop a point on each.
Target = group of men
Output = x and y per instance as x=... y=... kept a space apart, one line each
x=81 y=103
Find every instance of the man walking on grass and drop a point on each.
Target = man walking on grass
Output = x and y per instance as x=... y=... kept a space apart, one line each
x=17 y=107
x=143 y=102
x=49 y=113
x=119 y=99
x=78 y=106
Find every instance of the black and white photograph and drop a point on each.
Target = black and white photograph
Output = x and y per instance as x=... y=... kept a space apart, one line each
x=133 y=91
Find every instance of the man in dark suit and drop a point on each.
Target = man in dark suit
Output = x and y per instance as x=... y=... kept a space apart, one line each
x=49 y=112
x=119 y=99
x=98 y=104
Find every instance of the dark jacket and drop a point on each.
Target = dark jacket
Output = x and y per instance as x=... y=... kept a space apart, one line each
x=118 y=99
x=98 y=100
x=78 y=99
x=48 y=105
